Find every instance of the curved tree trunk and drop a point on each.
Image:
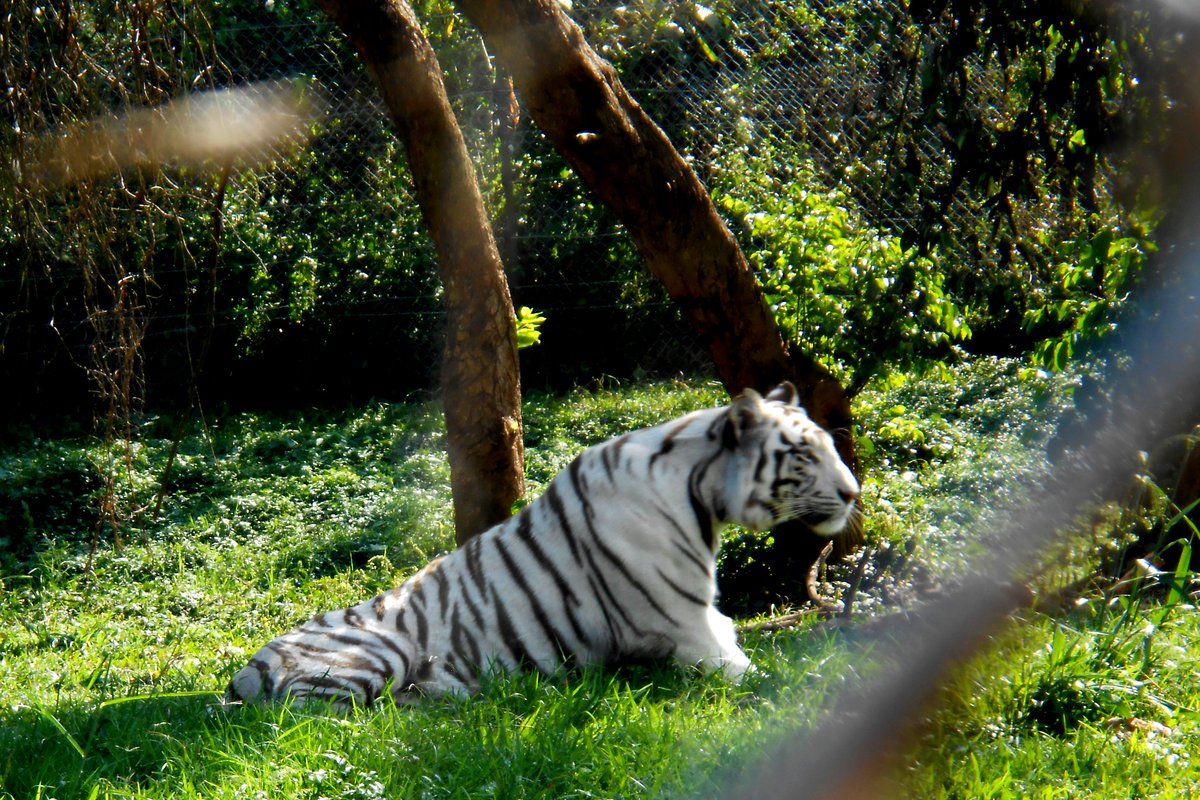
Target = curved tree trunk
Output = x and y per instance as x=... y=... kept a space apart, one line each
x=480 y=376
x=577 y=99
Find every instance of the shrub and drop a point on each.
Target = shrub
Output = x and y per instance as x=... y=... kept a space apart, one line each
x=847 y=292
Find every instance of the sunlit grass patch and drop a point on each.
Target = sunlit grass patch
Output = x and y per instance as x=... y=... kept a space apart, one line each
x=110 y=676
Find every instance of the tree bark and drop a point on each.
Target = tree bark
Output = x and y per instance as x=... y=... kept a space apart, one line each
x=480 y=374
x=577 y=99
x=626 y=160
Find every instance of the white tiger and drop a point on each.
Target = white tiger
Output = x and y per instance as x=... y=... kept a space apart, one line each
x=615 y=560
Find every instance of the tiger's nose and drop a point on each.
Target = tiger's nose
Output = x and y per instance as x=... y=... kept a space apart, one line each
x=848 y=497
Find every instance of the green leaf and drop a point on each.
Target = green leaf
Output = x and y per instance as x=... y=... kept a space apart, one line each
x=1182 y=573
x=529 y=324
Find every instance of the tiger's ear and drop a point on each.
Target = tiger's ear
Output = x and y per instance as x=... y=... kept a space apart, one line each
x=745 y=413
x=785 y=393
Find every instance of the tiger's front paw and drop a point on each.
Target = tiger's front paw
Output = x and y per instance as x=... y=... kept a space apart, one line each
x=733 y=665
x=736 y=667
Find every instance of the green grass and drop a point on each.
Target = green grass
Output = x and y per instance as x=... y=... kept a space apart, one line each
x=1099 y=703
x=110 y=662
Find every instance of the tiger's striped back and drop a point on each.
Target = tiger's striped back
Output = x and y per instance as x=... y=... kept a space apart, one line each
x=615 y=560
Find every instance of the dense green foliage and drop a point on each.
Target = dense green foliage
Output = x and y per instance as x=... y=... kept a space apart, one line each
x=859 y=300
x=110 y=662
x=949 y=189
x=1093 y=279
x=953 y=186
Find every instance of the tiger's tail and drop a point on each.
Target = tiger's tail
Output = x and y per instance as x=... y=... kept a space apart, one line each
x=331 y=659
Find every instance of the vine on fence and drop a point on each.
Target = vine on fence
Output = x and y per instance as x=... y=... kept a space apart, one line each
x=100 y=240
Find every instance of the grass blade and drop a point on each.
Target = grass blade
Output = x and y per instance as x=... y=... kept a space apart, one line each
x=1182 y=572
x=115 y=701
x=41 y=709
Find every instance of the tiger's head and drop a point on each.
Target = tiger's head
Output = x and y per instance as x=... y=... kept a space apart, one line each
x=785 y=466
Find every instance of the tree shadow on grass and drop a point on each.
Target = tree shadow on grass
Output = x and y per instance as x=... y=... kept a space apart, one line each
x=65 y=751
x=186 y=741
x=186 y=745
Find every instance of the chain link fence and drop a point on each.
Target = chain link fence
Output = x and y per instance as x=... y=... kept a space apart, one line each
x=324 y=253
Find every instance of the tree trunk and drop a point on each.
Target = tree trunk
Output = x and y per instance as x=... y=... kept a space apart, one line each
x=626 y=160
x=577 y=99
x=480 y=375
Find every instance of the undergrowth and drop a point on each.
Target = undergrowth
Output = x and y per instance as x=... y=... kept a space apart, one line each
x=111 y=662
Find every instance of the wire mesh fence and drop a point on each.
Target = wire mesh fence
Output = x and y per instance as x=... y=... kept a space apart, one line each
x=325 y=248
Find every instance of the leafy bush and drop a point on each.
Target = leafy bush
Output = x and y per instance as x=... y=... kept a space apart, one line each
x=1093 y=277
x=841 y=289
